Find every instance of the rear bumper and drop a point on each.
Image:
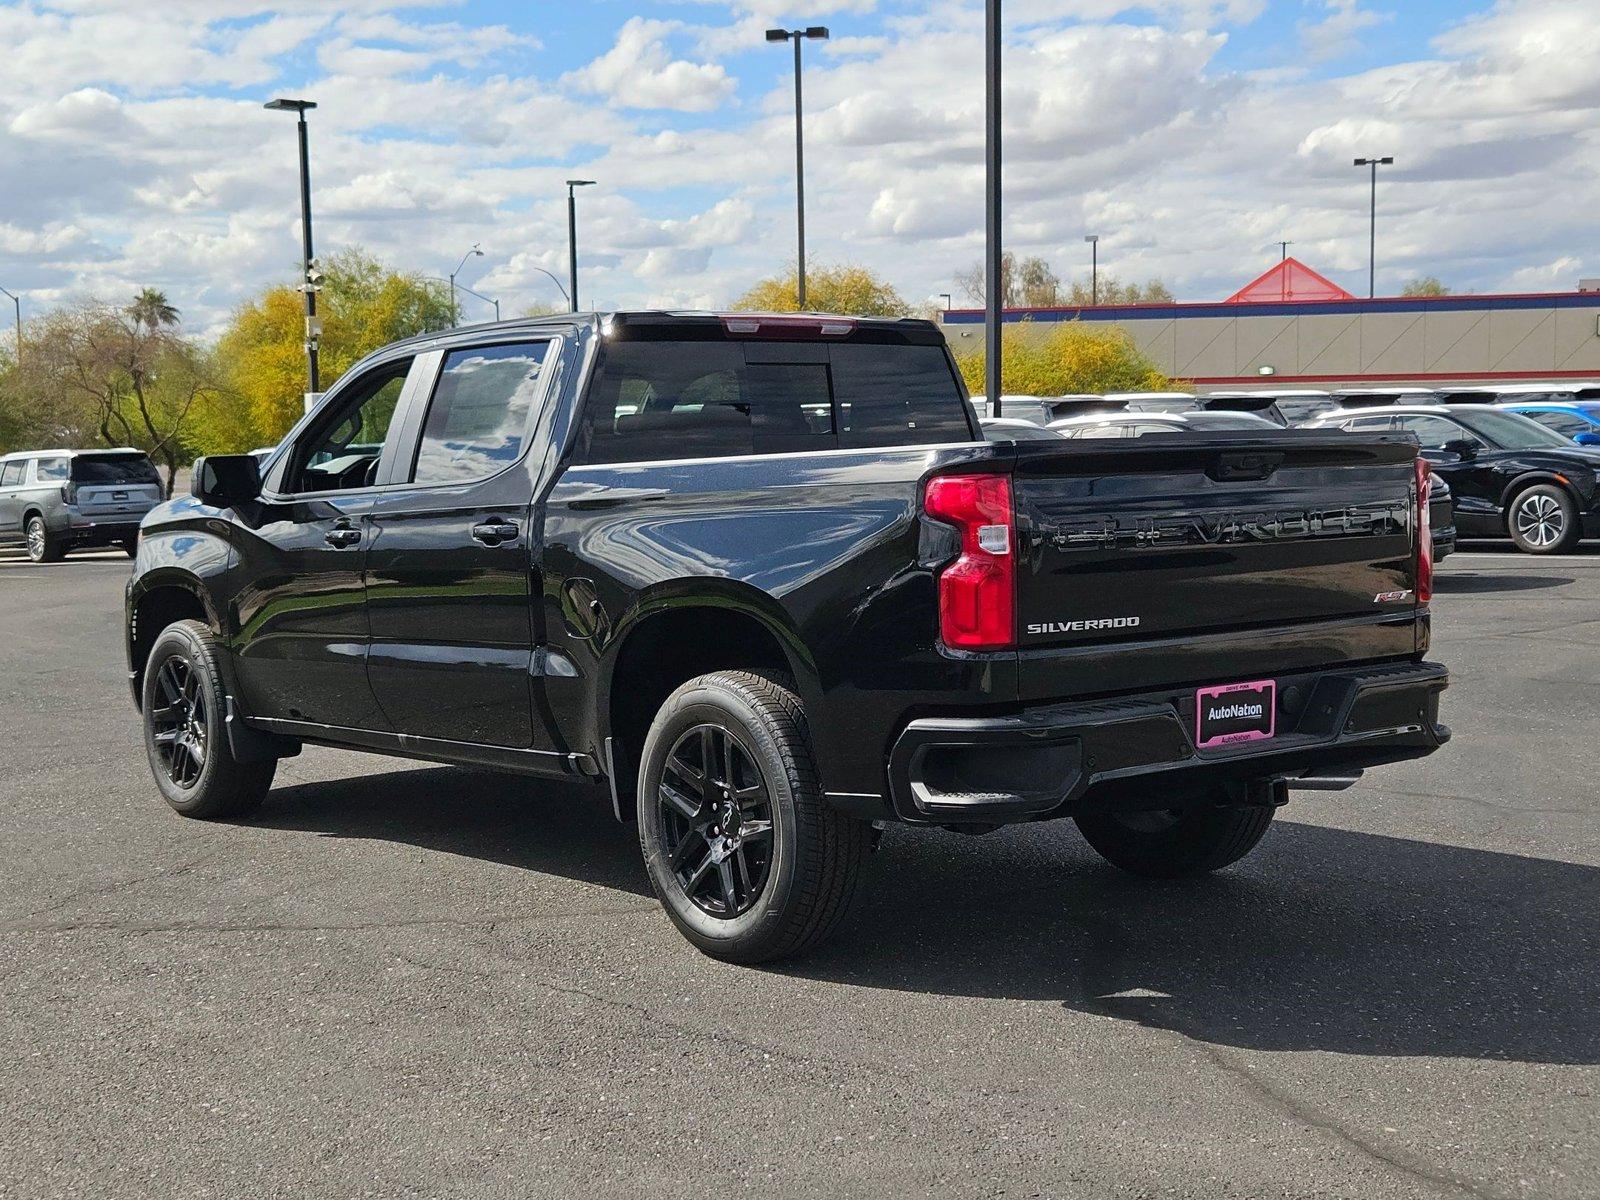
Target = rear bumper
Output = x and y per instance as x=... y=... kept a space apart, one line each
x=1444 y=542
x=1139 y=751
x=100 y=531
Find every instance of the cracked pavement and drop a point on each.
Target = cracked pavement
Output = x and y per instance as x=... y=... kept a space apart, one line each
x=407 y=980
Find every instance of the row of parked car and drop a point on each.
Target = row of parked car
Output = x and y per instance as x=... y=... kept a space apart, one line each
x=1519 y=461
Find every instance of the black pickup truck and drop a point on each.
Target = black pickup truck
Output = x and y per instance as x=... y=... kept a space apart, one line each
x=761 y=581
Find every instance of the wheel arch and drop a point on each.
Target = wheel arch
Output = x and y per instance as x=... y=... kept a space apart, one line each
x=1528 y=479
x=156 y=600
x=674 y=632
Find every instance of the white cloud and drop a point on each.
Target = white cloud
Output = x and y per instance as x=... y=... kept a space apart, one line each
x=1340 y=30
x=139 y=162
x=640 y=72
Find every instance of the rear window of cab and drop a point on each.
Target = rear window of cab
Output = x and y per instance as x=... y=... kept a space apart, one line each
x=659 y=399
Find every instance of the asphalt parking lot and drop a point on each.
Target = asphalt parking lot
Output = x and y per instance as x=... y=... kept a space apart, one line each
x=403 y=980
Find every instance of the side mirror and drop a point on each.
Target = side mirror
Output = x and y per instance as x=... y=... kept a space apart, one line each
x=1587 y=438
x=1463 y=448
x=224 y=480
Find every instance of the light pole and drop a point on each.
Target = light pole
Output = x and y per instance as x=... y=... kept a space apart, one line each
x=18 y=305
x=811 y=32
x=481 y=296
x=308 y=285
x=473 y=253
x=991 y=203
x=461 y=287
x=1372 y=235
x=572 y=239
x=555 y=281
x=1094 y=269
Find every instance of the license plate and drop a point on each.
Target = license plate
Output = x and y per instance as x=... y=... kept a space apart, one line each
x=1235 y=712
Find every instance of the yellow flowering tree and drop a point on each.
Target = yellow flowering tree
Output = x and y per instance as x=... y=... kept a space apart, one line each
x=848 y=290
x=1065 y=358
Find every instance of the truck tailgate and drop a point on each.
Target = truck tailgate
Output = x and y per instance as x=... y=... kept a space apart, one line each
x=1137 y=540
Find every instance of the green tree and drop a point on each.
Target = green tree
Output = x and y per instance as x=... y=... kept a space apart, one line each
x=1064 y=358
x=151 y=310
x=1427 y=285
x=125 y=376
x=844 y=289
x=364 y=304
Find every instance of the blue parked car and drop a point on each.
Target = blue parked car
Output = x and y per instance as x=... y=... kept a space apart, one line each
x=1572 y=410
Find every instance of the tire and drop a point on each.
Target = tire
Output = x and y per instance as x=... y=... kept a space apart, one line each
x=43 y=546
x=130 y=547
x=185 y=738
x=1176 y=844
x=1543 y=519
x=782 y=881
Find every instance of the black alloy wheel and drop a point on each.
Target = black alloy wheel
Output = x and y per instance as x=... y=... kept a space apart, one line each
x=716 y=821
x=186 y=738
x=178 y=727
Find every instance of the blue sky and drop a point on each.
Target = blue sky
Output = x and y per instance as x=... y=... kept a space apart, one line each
x=1189 y=134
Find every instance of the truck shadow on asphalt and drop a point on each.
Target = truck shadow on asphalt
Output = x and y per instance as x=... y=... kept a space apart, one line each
x=1464 y=584
x=1324 y=939
x=549 y=828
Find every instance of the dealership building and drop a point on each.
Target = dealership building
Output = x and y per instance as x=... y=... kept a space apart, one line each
x=1293 y=327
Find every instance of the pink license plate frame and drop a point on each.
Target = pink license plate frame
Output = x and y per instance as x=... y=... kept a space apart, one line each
x=1239 y=693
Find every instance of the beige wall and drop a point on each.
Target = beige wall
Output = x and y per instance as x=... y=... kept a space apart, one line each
x=1458 y=345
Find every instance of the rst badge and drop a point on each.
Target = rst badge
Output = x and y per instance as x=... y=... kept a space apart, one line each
x=1391 y=597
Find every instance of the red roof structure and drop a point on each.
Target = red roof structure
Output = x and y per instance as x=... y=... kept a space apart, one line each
x=1289 y=280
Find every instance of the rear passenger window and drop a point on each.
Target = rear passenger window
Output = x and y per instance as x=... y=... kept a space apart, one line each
x=51 y=470
x=478 y=418
x=660 y=400
x=11 y=473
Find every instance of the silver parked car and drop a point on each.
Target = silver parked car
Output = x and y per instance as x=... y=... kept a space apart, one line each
x=53 y=501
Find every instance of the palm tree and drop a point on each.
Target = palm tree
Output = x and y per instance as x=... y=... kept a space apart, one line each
x=150 y=309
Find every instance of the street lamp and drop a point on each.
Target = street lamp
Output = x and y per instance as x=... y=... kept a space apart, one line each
x=572 y=239
x=813 y=33
x=18 y=304
x=481 y=296
x=1094 y=268
x=1372 y=235
x=555 y=281
x=308 y=285
x=461 y=287
x=991 y=203
x=473 y=253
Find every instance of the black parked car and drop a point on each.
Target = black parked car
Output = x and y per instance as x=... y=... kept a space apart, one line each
x=1510 y=476
x=761 y=582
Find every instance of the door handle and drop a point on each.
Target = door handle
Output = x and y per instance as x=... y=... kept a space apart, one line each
x=494 y=533
x=341 y=536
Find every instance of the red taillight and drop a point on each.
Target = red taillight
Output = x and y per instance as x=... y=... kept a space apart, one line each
x=977 y=592
x=1424 y=532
